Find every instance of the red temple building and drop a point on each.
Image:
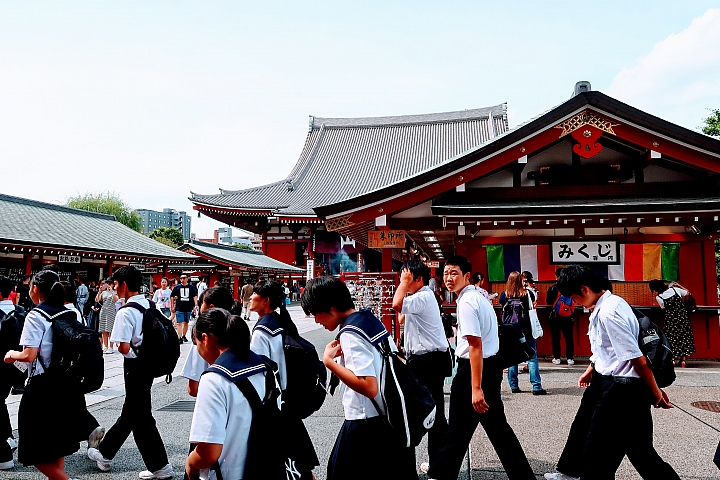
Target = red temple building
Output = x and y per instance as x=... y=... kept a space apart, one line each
x=592 y=181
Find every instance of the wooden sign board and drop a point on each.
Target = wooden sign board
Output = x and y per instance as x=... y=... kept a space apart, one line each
x=68 y=259
x=386 y=239
x=586 y=251
x=433 y=264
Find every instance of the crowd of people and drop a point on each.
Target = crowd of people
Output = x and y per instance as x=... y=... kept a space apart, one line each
x=614 y=415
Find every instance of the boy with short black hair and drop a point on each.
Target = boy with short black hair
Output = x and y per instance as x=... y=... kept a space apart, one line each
x=136 y=415
x=364 y=435
x=614 y=417
x=475 y=393
x=429 y=356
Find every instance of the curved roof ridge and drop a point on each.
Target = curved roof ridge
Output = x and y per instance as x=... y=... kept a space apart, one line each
x=244 y=190
x=454 y=116
x=53 y=206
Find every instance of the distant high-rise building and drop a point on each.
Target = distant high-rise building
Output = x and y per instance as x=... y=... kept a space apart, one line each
x=152 y=220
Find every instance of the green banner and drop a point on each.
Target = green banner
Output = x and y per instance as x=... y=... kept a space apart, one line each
x=496 y=263
x=669 y=261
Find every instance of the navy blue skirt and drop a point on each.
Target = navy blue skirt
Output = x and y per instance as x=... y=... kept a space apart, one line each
x=365 y=449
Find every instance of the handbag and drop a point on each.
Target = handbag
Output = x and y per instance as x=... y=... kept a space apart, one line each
x=513 y=346
x=535 y=326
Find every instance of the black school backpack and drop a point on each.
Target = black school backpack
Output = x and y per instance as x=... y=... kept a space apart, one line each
x=76 y=352
x=513 y=312
x=657 y=349
x=304 y=392
x=160 y=348
x=11 y=325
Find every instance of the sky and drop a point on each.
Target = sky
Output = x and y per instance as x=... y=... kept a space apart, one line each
x=153 y=100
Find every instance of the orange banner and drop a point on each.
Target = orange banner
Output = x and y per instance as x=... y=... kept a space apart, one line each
x=651 y=261
x=386 y=239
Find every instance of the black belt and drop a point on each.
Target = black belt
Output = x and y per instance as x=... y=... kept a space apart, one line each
x=621 y=379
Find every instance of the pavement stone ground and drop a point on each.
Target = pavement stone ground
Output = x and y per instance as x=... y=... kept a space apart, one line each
x=541 y=423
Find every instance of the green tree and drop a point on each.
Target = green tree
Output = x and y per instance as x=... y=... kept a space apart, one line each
x=173 y=236
x=244 y=246
x=109 y=203
x=712 y=124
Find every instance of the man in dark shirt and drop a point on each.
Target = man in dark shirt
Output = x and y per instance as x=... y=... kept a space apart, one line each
x=184 y=302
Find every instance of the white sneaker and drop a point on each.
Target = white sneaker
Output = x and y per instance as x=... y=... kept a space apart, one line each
x=559 y=476
x=102 y=462
x=571 y=361
x=556 y=361
x=95 y=437
x=13 y=444
x=110 y=350
x=165 y=472
x=7 y=465
x=424 y=467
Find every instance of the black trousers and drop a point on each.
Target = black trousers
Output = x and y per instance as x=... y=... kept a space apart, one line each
x=562 y=325
x=614 y=420
x=430 y=369
x=464 y=420
x=136 y=417
x=6 y=383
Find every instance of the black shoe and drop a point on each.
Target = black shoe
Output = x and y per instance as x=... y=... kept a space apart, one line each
x=540 y=392
x=17 y=390
x=184 y=339
x=516 y=390
x=180 y=341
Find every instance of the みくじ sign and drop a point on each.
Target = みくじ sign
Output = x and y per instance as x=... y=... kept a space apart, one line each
x=590 y=251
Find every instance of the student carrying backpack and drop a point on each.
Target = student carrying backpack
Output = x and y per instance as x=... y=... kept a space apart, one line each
x=160 y=349
x=561 y=321
x=657 y=349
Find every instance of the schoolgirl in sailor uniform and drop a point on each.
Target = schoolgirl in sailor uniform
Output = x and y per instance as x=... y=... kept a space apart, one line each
x=364 y=447
x=222 y=417
x=46 y=418
x=267 y=340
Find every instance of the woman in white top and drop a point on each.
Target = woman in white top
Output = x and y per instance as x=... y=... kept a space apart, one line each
x=222 y=417
x=161 y=297
x=107 y=298
x=677 y=325
x=46 y=418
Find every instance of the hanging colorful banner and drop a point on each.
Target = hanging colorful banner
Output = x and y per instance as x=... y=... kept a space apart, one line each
x=636 y=262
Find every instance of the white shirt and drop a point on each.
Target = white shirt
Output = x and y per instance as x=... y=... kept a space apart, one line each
x=424 y=330
x=194 y=366
x=476 y=318
x=483 y=292
x=37 y=333
x=262 y=343
x=70 y=306
x=364 y=360
x=223 y=415
x=161 y=297
x=128 y=325
x=7 y=306
x=201 y=287
x=614 y=332
x=669 y=293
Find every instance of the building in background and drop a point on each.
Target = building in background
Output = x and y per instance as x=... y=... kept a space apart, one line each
x=224 y=236
x=152 y=220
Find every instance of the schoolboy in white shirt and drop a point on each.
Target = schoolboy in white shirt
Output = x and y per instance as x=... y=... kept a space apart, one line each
x=475 y=393
x=614 y=417
x=364 y=437
x=429 y=356
x=136 y=416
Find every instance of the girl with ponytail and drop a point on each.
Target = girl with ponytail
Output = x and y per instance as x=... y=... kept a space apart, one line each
x=268 y=340
x=222 y=418
x=50 y=404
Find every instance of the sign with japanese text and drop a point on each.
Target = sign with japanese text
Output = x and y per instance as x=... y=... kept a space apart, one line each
x=151 y=270
x=310 y=268
x=386 y=239
x=433 y=264
x=68 y=259
x=586 y=251
x=139 y=266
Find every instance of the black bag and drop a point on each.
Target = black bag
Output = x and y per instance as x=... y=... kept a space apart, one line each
x=306 y=376
x=76 y=352
x=513 y=312
x=716 y=460
x=657 y=349
x=11 y=325
x=513 y=346
x=409 y=407
x=160 y=348
x=449 y=321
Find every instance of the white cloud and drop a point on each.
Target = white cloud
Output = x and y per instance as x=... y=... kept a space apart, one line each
x=680 y=77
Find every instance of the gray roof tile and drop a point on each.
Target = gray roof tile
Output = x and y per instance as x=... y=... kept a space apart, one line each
x=346 y=157
x=29 y=222
x=238 y=256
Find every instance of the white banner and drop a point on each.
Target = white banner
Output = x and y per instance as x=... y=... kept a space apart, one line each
x=310 y=269
x=590 y=251
x=68 y=259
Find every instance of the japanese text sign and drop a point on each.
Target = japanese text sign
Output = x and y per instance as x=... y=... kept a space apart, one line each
x=590 y=251
x=386 y=239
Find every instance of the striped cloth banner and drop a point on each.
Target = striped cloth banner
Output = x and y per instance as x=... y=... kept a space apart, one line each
x=638 y=262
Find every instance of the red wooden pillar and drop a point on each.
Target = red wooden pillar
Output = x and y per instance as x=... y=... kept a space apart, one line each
x=709 y=270
x=387 y=257
x=27 y=258
x=166 y=271
x=109 y=266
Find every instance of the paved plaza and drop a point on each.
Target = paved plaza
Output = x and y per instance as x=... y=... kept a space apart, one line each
x=541 y=423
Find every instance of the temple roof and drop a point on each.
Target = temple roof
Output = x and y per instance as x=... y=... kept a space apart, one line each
x=346 y=157
x=237 y=257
